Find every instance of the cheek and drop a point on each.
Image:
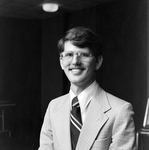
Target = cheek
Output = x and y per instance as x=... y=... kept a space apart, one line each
x=63 y=64
x=91 y=67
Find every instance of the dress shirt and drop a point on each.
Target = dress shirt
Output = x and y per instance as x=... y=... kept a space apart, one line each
x=84 y=98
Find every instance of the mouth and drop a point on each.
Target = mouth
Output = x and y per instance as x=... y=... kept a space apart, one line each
x=76 y=70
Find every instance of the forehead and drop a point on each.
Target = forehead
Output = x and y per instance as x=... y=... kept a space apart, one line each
x=68 y=46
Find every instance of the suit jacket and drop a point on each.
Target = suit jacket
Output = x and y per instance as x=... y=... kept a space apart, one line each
x=109 y=125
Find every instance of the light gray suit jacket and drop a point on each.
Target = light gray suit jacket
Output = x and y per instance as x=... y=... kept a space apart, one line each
x=109 y=125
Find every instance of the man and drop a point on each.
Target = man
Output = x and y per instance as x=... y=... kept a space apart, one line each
x=87 y=118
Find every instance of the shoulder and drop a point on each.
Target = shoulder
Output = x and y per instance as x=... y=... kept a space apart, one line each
x=108 y=101
x=58 y=102
x=59 y=99
x=114 y=100
x=119 y=105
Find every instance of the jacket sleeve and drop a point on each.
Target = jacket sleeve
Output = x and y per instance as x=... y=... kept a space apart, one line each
x=46 y=135
x=123 y=133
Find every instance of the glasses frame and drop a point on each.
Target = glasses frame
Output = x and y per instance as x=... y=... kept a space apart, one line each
x=80 y=55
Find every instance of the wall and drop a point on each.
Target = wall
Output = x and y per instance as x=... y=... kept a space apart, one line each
x=124 y=33
x=146 y=122
x=20 y=72
x=52 y=30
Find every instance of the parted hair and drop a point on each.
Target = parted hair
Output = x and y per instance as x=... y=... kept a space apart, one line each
x=82 y=37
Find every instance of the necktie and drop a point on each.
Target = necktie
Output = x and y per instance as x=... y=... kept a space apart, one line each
x=75 y=122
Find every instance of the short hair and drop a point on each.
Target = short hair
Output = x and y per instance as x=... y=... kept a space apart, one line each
x=82 y=37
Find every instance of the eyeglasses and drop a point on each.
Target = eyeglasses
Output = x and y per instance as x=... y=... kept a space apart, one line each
x=69 y=55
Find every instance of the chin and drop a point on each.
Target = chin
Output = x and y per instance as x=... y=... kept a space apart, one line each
x=78 y=82
x=75 y=82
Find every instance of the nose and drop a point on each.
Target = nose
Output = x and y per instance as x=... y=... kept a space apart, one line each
x=75 y=59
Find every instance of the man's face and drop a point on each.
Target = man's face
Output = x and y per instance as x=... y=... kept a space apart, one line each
x=80 y=72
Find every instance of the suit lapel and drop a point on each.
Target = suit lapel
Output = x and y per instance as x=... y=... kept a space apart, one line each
x=62 y=124
x=95 y=119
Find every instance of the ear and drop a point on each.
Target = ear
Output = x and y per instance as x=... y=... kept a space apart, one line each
x=99 y=61
x=61 y=63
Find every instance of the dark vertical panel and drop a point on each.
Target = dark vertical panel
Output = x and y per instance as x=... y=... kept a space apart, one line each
x=85 y=17
x=65 y=28
x=52 y=31
x=20 y=71
x=148 y=49
x=124 y=72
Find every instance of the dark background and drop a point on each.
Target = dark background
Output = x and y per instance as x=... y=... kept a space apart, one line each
x=30 y=74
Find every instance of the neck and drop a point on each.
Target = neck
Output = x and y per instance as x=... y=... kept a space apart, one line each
x=78 y=89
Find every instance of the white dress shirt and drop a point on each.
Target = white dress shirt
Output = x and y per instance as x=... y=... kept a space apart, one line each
x=85 y=98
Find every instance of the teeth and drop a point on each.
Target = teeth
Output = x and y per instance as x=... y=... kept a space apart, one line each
x=76 y=70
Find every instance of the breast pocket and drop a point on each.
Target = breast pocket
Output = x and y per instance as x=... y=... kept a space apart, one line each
x=102 y=144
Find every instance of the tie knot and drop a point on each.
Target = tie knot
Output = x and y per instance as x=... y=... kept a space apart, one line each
x=75 y=102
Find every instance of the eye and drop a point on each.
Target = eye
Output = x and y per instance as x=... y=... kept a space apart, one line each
x=69 y=54
x=85 y=55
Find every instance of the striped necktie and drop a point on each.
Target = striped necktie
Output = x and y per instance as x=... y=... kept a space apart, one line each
x=75 y=122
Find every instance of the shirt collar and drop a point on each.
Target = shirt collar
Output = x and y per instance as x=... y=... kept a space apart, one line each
x=85 y=96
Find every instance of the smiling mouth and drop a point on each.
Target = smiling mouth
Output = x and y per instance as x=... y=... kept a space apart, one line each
x=76 y=70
